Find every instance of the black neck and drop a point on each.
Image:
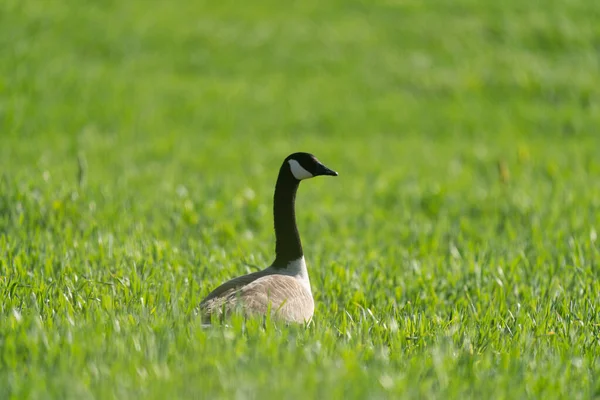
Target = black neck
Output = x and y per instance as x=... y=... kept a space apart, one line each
x=288 y=246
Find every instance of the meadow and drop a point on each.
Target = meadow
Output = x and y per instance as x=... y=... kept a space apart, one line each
x=456 y=255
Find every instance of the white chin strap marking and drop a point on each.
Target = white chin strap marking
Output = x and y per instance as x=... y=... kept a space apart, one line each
x=298 y=171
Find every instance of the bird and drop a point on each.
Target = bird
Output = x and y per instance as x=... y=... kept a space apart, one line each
x=283 y=288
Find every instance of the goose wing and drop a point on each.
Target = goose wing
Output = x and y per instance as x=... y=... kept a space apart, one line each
x=232 y=285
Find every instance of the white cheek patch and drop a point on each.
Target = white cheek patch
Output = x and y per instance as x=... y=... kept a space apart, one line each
x=298 y=171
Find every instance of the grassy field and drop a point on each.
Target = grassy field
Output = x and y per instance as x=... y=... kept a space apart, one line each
x=456 y=256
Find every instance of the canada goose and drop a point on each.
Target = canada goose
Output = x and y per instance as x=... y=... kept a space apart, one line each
x=284 y=286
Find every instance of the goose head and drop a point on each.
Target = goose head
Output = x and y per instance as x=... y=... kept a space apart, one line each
x=306 y=166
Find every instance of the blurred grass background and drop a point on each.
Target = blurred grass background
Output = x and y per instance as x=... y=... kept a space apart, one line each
x=140 y=141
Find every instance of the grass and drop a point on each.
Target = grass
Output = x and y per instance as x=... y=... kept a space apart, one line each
x=455 y=256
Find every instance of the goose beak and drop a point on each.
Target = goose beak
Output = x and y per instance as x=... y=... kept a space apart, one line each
x=323 y=170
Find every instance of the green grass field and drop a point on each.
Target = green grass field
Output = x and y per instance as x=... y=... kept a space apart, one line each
x=456 y=255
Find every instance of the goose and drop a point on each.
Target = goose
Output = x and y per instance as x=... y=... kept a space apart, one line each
x=283 y=288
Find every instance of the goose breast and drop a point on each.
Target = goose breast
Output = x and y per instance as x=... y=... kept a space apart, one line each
x=289 y=299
